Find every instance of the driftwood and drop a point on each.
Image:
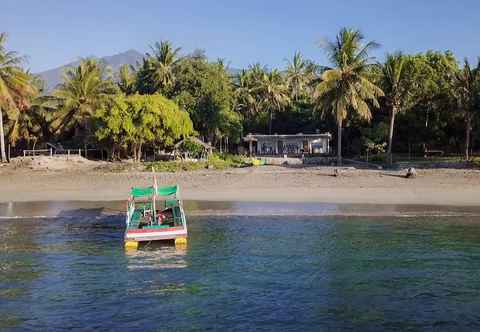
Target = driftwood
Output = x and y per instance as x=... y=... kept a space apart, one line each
x=411 y=173
x=337 y=172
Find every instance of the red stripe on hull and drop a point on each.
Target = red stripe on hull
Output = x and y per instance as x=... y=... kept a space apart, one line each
x=156 y=238
x=154 y=230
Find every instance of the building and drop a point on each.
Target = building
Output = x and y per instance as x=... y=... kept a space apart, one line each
x=291 y=145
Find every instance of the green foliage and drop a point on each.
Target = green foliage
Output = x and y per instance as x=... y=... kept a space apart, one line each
x=223 y=161
x=193 y=149
x=260 y=92
x=157 y=72
x=84 y=90
x=175 y=166
x=215 y=161
x=127 y=80
x=430 y=100
x=205 y=90
x=129 y=122
x=348 y=86
x=466 y=90
x=16 y=88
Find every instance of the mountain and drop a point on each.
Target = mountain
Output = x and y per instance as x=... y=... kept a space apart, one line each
x=53 y=77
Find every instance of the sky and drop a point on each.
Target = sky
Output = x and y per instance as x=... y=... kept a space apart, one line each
x=55 y=32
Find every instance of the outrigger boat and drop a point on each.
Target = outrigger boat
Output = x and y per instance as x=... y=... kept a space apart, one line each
x=155 y=214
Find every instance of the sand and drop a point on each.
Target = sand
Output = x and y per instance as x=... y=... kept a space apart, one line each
x=81 y=181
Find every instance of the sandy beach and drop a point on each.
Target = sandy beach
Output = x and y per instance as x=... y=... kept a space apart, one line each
x=456 y=187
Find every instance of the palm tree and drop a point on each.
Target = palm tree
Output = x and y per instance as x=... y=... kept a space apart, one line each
x=347 y=86
x=83 y=91
x=246 y=100
x=275 y=94
x=127 y=79
x=466 y=92
x=41 y=121
x=160 y=66
x=397 y=81
x=15 y=88
x=297 y=76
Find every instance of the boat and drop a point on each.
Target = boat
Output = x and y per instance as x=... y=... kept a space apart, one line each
x=155 y=214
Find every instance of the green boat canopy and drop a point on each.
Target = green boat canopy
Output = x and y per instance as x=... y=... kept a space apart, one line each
x=149 y=191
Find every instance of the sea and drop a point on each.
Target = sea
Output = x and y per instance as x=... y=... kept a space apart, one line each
x=246 y=267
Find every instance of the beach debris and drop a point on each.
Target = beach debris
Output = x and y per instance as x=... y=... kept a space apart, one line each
x=337 y=172
x=411 y=173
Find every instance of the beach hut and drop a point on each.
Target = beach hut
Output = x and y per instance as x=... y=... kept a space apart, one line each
x=180 y=147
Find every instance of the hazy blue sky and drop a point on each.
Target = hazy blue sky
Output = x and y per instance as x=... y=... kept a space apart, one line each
x=54 y=32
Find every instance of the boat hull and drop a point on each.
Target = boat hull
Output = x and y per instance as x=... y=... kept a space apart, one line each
x=152 y=234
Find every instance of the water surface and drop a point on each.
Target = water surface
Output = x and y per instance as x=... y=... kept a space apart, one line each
x=283 y=272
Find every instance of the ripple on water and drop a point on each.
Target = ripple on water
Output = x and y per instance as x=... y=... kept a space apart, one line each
x=244 y=272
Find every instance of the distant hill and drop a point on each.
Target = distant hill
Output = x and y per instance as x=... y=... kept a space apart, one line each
x=53 y=77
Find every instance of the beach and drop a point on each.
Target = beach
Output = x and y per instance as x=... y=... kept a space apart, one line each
x=455 y=187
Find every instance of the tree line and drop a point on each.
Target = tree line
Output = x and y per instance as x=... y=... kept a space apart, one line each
x=406 y=103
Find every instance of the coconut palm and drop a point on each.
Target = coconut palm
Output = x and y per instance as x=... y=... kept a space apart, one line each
x=397 y=80
x=244 y=98
x=126 y=80
x=466 y=92
x=275 y=94
x=160 y=65
x=83 y=91
x=347 y=86
x=41 y=120
x=297 y=76
x=15 y=89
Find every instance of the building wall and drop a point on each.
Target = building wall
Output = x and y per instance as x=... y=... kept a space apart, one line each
x=292 y=145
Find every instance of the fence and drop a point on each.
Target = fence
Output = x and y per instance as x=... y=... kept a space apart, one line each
x=52 y=152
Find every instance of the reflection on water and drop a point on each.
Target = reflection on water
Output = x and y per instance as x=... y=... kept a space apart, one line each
x=152 y=256
x=259 y=272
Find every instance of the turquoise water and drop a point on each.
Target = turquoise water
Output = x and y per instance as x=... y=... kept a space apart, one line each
x=71 y=272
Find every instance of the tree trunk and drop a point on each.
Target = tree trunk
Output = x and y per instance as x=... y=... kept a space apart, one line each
x=139 y=153
x=134 y=150
x=270 y=123
x=339 y=143
x=2 y=139
x=468 y=128
x=390 y=136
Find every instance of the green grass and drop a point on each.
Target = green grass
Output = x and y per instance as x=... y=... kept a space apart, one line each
x=420 y=161
x=216 y=161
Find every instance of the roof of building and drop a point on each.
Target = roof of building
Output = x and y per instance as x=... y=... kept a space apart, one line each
x=254 y=137
x=195 y=140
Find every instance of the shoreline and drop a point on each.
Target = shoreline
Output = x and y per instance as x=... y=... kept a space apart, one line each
x=94 y=209
x=434 y=187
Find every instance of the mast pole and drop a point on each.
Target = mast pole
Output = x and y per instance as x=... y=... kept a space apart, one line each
x=154 y=212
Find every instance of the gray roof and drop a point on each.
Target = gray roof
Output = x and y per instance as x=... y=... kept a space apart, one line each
x=253 y=137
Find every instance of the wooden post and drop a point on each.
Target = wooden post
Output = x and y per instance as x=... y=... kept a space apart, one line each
x=24 y=153
x=68 y=154
x=79 y=152
x=51 y=152
x=9 y=152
